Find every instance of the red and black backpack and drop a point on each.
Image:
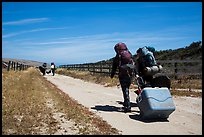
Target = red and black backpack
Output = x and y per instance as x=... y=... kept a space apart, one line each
x=125 y=57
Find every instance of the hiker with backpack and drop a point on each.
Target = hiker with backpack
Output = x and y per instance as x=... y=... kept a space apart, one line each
x=43 y=68
x=146 y=64
x=123 y=61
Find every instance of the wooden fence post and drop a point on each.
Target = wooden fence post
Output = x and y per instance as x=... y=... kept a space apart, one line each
x=14 y=68
x=110 y=67
x=21 y=67
x=9 y=65
x=100 y=66
x=17 y=66
x=93 y=67
x=175 y=70
x=12 y=65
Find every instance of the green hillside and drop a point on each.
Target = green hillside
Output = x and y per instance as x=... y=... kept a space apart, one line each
x=191 y=52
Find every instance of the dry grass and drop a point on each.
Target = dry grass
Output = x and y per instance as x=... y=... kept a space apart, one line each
x=90 y=77
x=187 y=83
x=182 y=83
x=25 y=110
x=23 y=103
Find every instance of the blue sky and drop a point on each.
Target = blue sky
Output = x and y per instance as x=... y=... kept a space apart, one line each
x=85 y=32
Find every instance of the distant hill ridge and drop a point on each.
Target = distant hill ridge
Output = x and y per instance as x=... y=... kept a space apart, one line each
x=23 y=61
x=191 y=52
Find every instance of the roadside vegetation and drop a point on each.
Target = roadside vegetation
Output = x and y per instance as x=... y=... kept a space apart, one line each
x=33 y=106
x=181 y=83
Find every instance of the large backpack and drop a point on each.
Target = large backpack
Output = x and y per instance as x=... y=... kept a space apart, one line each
x=147 y=62
x=126 y=63
x=44 y=65
x=125 y=57
x=148 y=59
x=150 y=48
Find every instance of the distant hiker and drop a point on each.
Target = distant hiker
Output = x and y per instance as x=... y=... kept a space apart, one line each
x=146 y=64
x=53 y=68
x=43 y=68
x=124 y=62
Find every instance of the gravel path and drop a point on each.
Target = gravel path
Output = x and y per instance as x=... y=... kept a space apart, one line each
x=106 y=102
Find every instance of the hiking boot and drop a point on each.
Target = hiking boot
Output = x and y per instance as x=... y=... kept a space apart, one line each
x=127 y=109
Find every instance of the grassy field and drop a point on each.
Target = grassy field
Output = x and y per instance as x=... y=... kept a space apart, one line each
x=30 y=102
x=183 y=83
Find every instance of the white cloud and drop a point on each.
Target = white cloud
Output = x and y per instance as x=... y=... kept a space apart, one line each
x=25 y=21
x=29 y=31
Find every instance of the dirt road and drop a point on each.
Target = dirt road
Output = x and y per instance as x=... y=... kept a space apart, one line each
x=106 y=102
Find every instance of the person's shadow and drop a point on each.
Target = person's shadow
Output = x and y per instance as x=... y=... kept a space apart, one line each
x=106 y=108
x=131 y=103
x=138 y=117
x=111 y=108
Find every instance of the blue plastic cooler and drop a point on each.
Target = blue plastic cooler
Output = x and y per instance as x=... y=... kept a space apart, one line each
x=155 y=103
